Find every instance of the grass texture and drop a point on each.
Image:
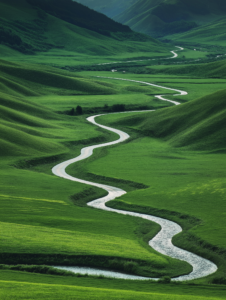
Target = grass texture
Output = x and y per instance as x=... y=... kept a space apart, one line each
x=43 y=218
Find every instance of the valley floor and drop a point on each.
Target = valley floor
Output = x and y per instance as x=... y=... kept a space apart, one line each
x=170 y=172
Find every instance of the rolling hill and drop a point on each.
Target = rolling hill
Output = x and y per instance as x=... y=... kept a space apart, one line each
x=163 y=17
x=196 y=125
x=207 y=70
x=213 y=32
x=23 y=121
x=40 y=26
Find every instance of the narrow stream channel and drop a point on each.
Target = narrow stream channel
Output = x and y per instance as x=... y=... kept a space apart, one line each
x=162 y=242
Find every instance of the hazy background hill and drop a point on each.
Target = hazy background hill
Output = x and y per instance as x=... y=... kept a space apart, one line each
x=163 y=17
x=174 y=19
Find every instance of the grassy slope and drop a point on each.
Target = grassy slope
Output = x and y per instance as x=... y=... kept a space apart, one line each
x=39 y=32
x=180 y=181
x=47 y=286
x=160 y=18
x=45 y=205
x=213 y=33
x=198 y=124
x=207 y=70
x=24 y=121
x=139 y=17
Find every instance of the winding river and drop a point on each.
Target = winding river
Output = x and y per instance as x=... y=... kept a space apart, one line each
x=162 y=242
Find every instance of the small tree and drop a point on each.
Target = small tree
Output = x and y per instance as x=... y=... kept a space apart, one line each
x=118 y=107
x=79 y=110
x=71 y=112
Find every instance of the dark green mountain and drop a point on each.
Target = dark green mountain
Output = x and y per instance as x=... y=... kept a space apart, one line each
x=163 y=17
x=32 y=26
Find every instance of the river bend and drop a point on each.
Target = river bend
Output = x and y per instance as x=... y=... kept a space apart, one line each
x=162 y=242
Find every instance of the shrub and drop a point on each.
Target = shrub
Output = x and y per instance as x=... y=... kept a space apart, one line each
x=164 y=279
x=79 y=110
x=118 y=107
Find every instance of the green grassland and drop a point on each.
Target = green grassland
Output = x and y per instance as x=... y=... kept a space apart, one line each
x=208 y=70
x=44 y=219
x=37 y=286
x=165 y=76
x=210 y=34
x=39 y=218
x=160 y=18
x=31 y=27
x=182 y=182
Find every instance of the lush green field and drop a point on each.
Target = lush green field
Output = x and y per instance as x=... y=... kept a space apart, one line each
x=180 y=180
x=58 y=36
x=35 y=286
x=40 y=212
x=44 y=219
x=195 y=87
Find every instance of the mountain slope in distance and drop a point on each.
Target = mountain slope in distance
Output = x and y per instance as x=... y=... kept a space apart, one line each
x=163 y=17
x=38 y=26
x=211 y=33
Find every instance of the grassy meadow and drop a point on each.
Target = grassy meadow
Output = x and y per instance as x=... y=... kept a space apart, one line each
x=44 y=219
x=179 y=154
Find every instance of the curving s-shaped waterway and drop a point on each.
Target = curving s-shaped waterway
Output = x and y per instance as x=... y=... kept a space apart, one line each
x=162 y=242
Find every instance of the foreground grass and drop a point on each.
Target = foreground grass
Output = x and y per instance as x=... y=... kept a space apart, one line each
x=38 y=217
x=180 y=182
x=35 y=286
x=39 y=221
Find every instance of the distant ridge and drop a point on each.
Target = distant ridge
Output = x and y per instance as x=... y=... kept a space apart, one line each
x=31 y=26
x=163 y=17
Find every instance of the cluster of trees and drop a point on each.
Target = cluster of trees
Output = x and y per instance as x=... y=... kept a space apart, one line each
x=106 y=109
x=79 y=110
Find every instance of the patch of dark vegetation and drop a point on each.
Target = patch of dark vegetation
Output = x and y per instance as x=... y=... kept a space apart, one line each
x=196 y=245
x=39 y=263
x=82 y=198
x=186 y=221
x=219 y=280
x=184 y=240
x=120 y=182
x=107 y=109
x=19 y=35
x=174 y=27
x=80 y=15
x=30 y=163
x=54 y=159
x=37 y=269
x=165 y=280
x=91 y=141
x=9 y=38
